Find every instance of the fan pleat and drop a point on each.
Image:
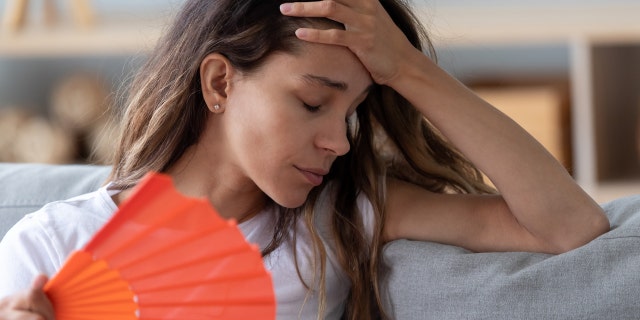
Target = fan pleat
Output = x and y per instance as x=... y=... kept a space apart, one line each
x=224 y=242
x=207 y=312
x=148 y=197
x=94 y=288
x=248 y=290
x=96 y=275
x=189 y=268
x=164 y=256
x=202 y=271
x=138 y=230
x=94 y=316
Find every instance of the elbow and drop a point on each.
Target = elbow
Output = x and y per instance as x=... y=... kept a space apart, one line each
x=594 y=224
x=602 y=224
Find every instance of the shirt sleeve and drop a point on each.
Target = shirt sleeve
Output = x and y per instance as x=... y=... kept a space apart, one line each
x=26 y=251
x=368 y=216
x=41 y=242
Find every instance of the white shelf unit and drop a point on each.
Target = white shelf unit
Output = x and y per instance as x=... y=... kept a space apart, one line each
x=36 y=60
x=596 y=35
x=107 y=37
x=603 y=43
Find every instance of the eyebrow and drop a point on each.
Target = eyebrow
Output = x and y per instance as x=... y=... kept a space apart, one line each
x=324 y=81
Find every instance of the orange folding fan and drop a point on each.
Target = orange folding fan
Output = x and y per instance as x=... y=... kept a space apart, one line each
x=164 y=256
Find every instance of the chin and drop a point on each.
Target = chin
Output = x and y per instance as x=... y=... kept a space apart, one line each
x=291 y=200
x=291 y=203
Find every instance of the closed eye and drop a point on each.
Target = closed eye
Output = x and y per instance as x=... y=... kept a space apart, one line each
x=311 y=108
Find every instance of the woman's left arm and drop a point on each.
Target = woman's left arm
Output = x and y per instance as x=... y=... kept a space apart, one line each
x=544 y=199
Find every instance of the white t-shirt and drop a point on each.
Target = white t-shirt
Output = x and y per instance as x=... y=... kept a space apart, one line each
x=41 y=242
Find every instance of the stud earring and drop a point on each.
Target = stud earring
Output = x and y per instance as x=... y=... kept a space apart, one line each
x=216 y=107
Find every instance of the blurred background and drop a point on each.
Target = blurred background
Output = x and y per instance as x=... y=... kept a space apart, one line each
x=567 y=70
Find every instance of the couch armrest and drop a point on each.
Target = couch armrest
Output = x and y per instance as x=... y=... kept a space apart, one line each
x=25 y=188
x=600 y=280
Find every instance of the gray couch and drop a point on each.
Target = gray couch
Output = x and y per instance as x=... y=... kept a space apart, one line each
x=423 y=280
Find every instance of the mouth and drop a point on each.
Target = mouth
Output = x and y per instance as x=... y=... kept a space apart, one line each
x=314 y=176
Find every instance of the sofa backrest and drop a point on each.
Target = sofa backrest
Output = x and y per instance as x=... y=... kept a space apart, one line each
x=25 y=188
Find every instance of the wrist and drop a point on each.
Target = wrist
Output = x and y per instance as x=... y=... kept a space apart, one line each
x=414 y=69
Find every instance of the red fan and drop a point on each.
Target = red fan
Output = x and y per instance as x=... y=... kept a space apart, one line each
x=164 y=256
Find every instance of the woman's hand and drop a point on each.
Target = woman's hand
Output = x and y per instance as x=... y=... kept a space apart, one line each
x=369 y=33
x=31 y=304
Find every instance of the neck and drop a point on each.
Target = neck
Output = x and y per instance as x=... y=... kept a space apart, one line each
x=231 y=193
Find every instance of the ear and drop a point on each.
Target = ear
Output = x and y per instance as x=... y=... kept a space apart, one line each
x=216 y=72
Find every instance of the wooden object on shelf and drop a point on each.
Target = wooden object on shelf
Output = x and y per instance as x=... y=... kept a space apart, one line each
x=81 y=103
x=26 y=137
x=10 y=121
x=82 y=13
x=50 y=13
x=78 y=102
x=120 y=34
x=16 y=13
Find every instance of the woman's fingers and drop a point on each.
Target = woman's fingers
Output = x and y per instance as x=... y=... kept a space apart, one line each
x=328 y=36
x=369 y=32
x=19 y=315
x=29 y=304
x=329 y=9
x=38 y=300
x=38 y=282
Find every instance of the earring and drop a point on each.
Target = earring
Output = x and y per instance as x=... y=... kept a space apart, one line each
x=216 y=107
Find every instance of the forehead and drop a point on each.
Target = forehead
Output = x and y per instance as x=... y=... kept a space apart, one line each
x=329 y=61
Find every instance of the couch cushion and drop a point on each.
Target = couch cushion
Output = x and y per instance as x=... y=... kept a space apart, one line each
x=25 y=188
x=597 y=281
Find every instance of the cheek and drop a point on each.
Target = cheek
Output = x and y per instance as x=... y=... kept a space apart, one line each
x=268 y=156
x=270 y=142
x=267 y=120
x=260 y=134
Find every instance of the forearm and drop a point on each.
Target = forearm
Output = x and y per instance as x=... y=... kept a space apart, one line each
x=538 y=190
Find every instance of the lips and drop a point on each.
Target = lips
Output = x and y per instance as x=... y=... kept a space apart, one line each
x=314 y=176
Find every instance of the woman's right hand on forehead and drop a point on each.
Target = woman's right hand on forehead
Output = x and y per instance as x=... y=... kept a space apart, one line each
x=369 y=33
x=31 y=304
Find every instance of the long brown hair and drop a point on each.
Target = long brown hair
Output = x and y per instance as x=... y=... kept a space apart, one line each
x=165 y=114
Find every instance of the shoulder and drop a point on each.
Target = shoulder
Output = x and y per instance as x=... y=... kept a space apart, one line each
x=41 y=241
x=73 y=219
x=326 y=203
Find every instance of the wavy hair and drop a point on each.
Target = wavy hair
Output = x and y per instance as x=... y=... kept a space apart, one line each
x=165 y=114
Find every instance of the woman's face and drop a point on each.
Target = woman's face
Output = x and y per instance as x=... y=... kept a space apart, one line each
x=285 y=124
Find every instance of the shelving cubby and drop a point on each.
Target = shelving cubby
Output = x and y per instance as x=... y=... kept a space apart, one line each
x=597 y=50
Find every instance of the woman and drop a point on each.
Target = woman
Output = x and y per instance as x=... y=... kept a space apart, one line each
x=306 y=123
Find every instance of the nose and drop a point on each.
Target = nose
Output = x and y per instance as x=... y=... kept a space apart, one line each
x=333 y=138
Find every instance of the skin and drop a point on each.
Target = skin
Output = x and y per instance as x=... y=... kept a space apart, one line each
x=265 y=139
x=543 y=209
x=31 y=304
x=263 y=142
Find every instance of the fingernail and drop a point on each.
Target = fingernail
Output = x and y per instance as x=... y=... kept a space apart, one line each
x=301 y=33
x=285 y=7
x=39 y=282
